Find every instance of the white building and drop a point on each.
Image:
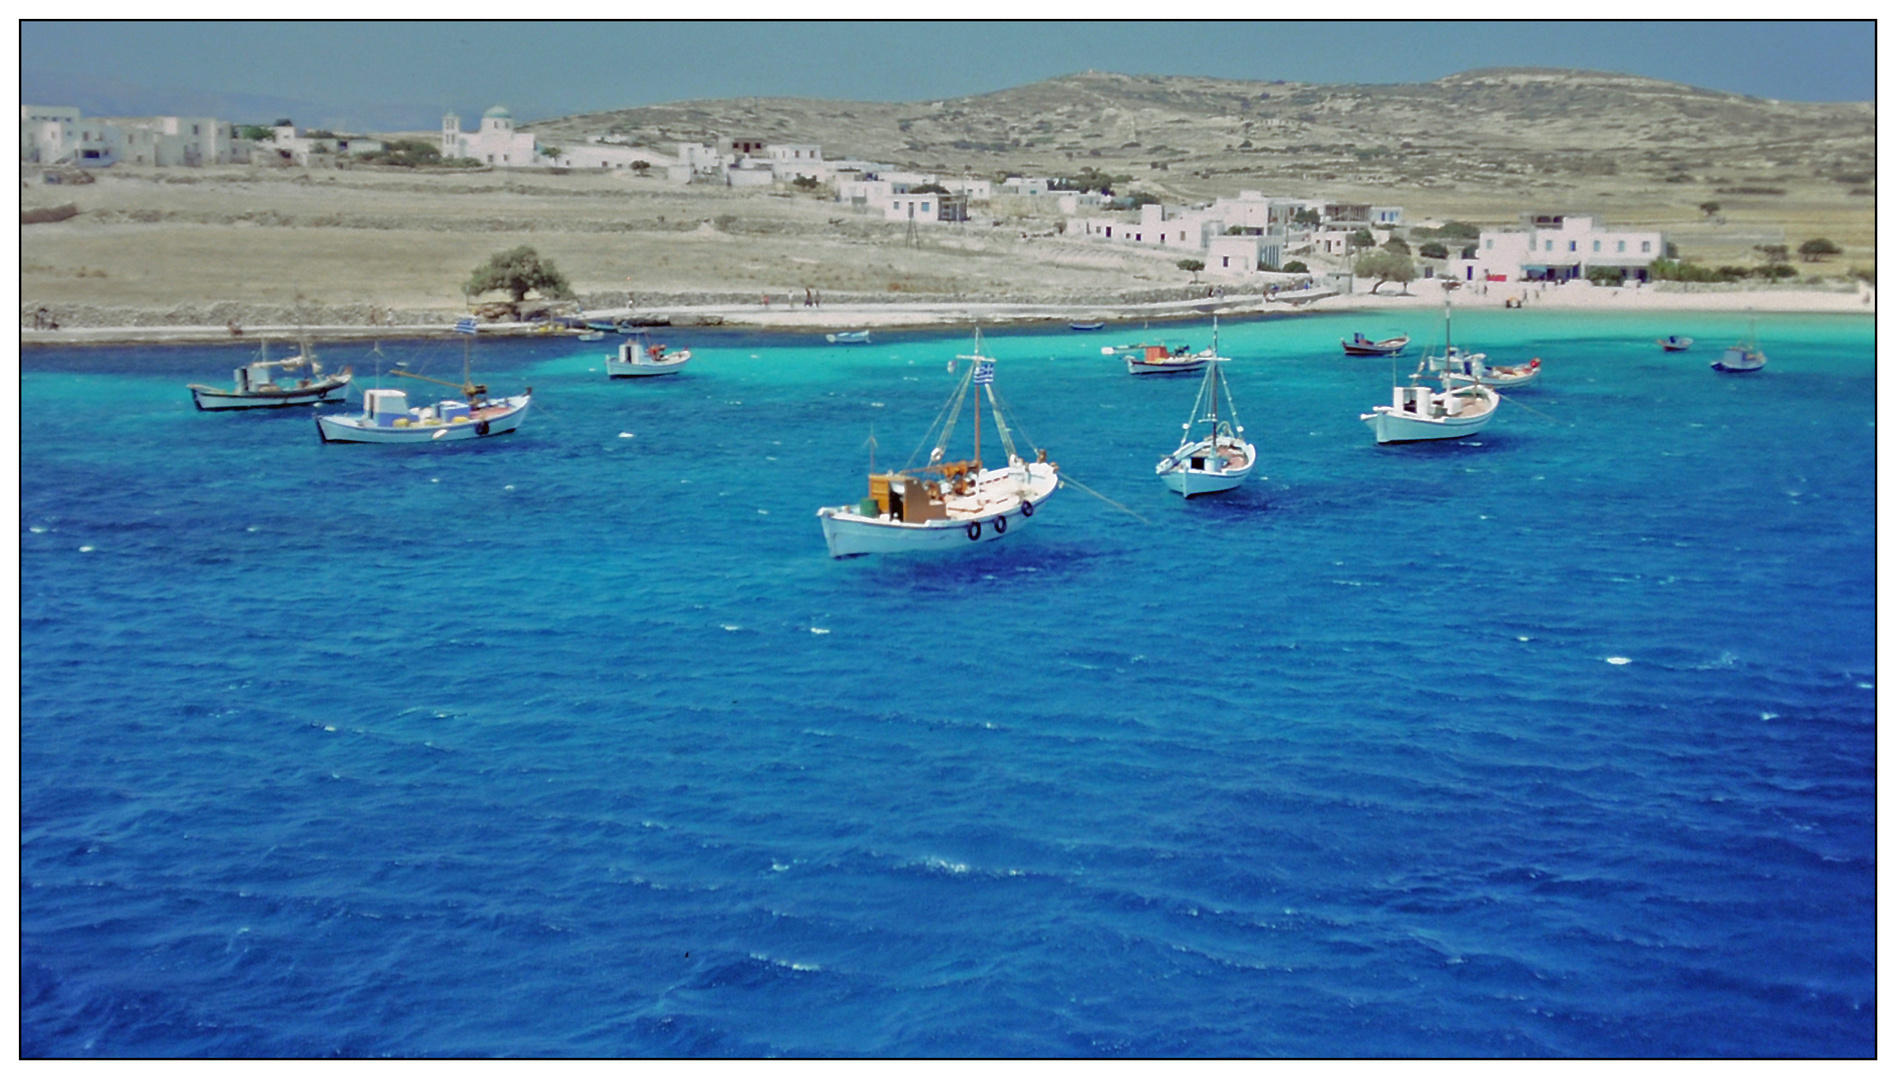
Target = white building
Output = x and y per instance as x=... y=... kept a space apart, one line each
x=1561 y=247
x=175 y=141
x=288 y=146
x=1026 y=185
x=594 y=154
x=59 y=135
x=496 y=143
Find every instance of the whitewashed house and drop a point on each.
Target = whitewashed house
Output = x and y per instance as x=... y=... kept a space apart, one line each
x=1561 y=247
x=175 y=141
x=495 y=143
x=59 y=135
x=594 y=154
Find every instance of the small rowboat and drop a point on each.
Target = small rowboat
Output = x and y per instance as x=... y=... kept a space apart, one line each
x=848 y=337
x=1085 y=325
x=1358 y=345
x=1672 y=343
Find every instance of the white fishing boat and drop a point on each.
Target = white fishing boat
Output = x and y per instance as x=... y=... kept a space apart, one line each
x=1674 y=343
x=1219 y=459
x=848 y=337
x=947 y=505
x=258 y=384
x=1419 y=412
x=1461 y=368
x=638 y=356
x=1742 y=357
x=1464 y=369
x=388 y=418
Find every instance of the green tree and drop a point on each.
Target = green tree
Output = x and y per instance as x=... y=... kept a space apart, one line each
x=642 y=167
x=1433 y=250
x=1816 y=249
x=1191 y=266
x=1362 y=239
x=1604 y=275
x=518 y=272
x=255 y=132
x=550 y=151
x=1709 y=208
x=1386 y=266
x=1397 y=244
x=1307 y=217
x=1296 y=267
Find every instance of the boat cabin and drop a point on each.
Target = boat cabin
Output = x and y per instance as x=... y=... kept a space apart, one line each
x=1423 y=402
x=254 y=377
x=905 y=498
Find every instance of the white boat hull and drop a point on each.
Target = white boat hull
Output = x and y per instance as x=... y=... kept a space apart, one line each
x=211 y=399
x=1176 y=366
x=620 y=369
x=1392 y=425
x=1002 y=507
x=1177 y=471
x=501 y=417
x=1739 y=360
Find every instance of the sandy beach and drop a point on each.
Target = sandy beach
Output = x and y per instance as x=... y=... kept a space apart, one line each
x=918 y=314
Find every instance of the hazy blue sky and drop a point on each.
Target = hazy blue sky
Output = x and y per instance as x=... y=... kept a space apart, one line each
x=541 y=69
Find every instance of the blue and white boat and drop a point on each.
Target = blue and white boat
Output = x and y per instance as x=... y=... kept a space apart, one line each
x=848 y=337
x=1742 y=357
x=1220 y=459
x=387 y=417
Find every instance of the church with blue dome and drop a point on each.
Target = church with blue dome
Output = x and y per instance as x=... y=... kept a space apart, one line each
x=494 y=143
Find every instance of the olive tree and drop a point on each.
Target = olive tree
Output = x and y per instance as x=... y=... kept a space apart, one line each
x=518 y=272
x=1386 y=266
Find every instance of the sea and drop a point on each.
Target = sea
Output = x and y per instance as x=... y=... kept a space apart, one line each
x=1557 y=741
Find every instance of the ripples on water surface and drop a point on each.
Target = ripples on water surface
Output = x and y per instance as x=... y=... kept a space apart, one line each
x=1554 y=741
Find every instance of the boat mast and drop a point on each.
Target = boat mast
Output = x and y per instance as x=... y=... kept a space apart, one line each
x=975 y=366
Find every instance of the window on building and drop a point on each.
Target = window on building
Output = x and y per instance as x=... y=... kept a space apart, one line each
x=1570 y=245
x=1620 y=245
x=1489 y=244
x=1597 y=245
x=1646 y=246
x=925 y=208
x=1549 y=245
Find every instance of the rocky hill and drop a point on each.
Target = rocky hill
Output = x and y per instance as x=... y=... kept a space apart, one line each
x=1493 y=131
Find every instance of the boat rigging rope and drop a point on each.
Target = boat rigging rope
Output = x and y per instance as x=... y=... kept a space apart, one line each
x=952 y=408
x=1537 y=412
x=1066 y=479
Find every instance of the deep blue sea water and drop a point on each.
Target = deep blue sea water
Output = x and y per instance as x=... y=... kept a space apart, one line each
x=1557 y=741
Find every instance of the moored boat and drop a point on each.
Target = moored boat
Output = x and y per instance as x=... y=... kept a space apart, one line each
x=1674 y=343
x=1085 y=325
x=1419 y=413
x=256 y=385
x=848 y=337
x=386 y=416
x=639 y=356
x=1358 y=345
x=1219 y=459
x=946 y=505
x=1160 y=360
x=1742 y=357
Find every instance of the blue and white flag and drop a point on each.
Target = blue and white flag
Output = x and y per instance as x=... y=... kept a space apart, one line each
x=984 y=372
x=466 y=326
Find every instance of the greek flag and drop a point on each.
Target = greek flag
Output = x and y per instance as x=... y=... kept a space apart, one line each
x=984 y=372
x=466 y=326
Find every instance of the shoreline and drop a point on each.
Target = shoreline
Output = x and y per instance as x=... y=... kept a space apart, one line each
x=924 y=315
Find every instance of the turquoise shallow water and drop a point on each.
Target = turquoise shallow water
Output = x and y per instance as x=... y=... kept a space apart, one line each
x=1557 y=741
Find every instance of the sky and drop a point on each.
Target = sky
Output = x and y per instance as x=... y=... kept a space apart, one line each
x=546 y=69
